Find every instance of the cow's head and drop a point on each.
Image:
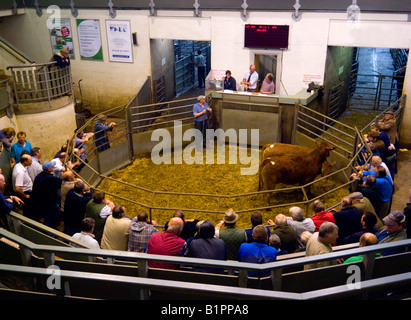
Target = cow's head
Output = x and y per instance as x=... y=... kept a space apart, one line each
x=326 y=168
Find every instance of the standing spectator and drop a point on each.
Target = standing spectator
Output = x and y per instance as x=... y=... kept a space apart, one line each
x=200 y=64
x=206 y=246
x=59 y=165
x=101 y=129
x=6 y=137
x=256 y=219
x=80 y=144
x=140 y=232
x=22 y=184
x=348 y=220
x=115 y=234
x=394 y=231
x=407 y=214
x=321 y=215
x=99 y=208
x=62 y=57
x=35 y=168
x=75 y=207
x=69 y=179
x=369 y=189
x=18 y=147
x=388 y=124
x=258 y=251
x=6 y=203
x=298 y=222
x=167 y=243
x=231 y=235
x=320 y=243
x=86 y=235
x=201 y=112
x=46 y=195
x=289 y=238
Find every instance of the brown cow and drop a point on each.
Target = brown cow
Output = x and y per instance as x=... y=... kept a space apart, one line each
x=292 y=169
x=280 y=149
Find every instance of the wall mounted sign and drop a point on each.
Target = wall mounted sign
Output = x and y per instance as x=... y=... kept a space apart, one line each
x=119 y=41
x=89 y=39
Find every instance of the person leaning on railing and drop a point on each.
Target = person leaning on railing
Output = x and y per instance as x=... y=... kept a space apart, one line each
x=62 y=58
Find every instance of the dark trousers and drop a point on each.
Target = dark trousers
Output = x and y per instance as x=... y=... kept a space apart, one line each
x=201 y=76
x=202 y=127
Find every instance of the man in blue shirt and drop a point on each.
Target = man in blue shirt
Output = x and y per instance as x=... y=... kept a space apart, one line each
x=18 y=147
x=101 y=129
x=258 y=251
x=200 y=111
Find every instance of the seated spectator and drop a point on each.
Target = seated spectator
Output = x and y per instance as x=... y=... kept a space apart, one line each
x=348 y=220
x=189 y=228
x=366 y=239
x=299 y=222
x=206 y=246
x=167 y=243
x=275 y=241
x=231 y=235
x=75 y=207
x=99 y=208
x=268 y=84
x=18 y=147
x=365 y=205
x=258 y=251
x=320 y=243
x=394 y=231
x=289 y=238
x=115 y=234
x=321 y=215
x=256 y=219
x=305 y=236
x=86 y=235
x=35 y=168
x=368 y=221
x=140 y=232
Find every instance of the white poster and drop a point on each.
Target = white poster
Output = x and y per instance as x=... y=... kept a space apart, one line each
x=89 y=39
x=119 y=40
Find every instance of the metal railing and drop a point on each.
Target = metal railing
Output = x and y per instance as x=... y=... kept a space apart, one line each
x=40 y=82
x=49 y=255
x=150 y=117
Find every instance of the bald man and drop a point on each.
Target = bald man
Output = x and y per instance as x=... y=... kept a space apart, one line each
x=367 y=239
x=167 y=243
x=250 y=79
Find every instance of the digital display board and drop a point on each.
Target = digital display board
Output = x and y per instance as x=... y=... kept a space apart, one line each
x=266 y=36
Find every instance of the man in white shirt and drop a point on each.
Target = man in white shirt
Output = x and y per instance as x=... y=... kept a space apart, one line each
x=22 y=184
x=86 y=235
x=250 y=79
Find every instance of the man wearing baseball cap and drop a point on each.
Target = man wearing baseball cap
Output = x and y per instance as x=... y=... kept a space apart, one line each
x=394 y=231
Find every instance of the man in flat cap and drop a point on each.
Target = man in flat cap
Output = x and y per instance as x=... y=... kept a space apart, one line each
x=394 y=231
x=101 y=129
x=388 y=124
x=62 y=57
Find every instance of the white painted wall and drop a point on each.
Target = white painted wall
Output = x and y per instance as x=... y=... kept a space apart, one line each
x=108 y=84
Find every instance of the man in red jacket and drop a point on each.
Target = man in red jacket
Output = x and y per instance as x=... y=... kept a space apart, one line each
x=167 y=243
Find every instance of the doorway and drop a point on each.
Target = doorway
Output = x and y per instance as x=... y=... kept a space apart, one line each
x=268 y=63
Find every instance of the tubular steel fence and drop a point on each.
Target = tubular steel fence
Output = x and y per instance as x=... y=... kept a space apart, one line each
x=141 y=119
x=40 y=82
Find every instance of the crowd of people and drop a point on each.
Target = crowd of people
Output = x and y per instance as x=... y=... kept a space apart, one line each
x=49 y=192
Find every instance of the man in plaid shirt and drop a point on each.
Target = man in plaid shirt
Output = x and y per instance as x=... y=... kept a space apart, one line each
x=140 y=232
